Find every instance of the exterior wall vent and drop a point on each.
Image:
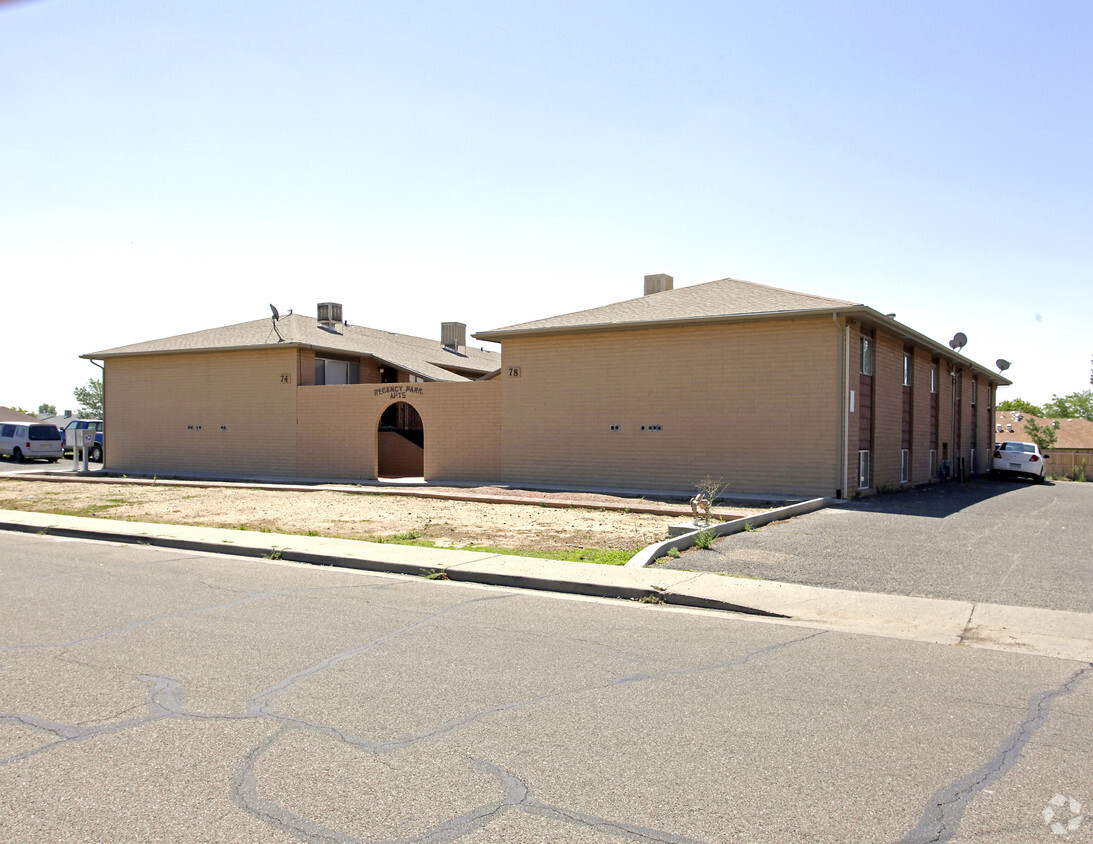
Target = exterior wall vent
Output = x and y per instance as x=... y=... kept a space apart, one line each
x=658 y=283
x=330 y=313
x=453 y=335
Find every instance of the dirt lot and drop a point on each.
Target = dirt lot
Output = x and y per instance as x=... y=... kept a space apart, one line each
x=363 y=515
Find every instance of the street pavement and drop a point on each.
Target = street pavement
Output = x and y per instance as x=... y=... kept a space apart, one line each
x=165 y=694
x=1001 y=542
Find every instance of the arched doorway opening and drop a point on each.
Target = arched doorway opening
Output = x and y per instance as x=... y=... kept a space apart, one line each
x=400 y=442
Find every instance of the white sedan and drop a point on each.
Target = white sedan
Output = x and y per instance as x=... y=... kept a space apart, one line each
x=1022 y=459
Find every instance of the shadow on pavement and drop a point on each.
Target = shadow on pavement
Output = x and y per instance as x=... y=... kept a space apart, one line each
x=936 y=500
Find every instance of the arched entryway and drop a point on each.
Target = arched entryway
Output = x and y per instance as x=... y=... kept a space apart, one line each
x=400 y=442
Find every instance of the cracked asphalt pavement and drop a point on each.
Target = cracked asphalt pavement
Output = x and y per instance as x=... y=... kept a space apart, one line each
x=149 y=694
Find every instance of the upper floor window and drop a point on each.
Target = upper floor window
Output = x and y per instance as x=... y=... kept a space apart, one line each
x=328 y=371
x=975 y=392
x=866 y=356
x=933 y=378
x=907 y=369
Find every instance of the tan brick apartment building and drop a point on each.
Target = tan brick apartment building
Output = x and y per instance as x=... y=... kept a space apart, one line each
x=771 y=390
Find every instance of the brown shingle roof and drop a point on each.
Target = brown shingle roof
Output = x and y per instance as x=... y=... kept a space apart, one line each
x=722 y=299
x=8 y=414
x=427 y=358
x=1071 y=433
x=726 y=300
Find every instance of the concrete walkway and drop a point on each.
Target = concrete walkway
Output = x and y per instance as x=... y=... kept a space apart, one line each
x=1050 y=633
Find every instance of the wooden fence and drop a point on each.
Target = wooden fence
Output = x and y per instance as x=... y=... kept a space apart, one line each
x=1062 y=463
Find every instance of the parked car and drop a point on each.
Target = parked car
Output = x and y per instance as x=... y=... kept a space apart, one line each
x=1021 y=459
x=22 y=441
x=99 y=448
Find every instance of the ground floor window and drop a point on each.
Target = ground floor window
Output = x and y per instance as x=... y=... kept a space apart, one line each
x=865 y=469
x=933 y=462
x=904 y=465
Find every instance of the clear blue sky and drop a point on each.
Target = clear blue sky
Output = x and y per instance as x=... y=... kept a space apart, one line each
x=181 y=165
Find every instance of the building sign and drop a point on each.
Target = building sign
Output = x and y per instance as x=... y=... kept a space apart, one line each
x=397 y=390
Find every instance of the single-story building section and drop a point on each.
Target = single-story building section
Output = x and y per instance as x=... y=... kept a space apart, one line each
x=770 y=390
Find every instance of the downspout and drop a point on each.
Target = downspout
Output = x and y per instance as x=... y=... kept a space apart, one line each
x=842 y=443
x=954 y=451
x=102 y=366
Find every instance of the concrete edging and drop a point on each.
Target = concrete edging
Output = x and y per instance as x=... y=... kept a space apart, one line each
x=688 y=540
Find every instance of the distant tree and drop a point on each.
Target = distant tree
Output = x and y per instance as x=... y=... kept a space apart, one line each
x=1043 y=434
x=47 y=409
x=90 y=399
x=1075 y=406
x=1021 y=405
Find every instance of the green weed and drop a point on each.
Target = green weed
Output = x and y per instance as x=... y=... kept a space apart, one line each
x=704 y=539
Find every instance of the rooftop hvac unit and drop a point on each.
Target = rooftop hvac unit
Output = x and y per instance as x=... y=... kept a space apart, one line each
x=329 y=312
x=453 y=335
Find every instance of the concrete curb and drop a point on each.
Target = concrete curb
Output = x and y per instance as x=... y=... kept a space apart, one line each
x=688 y=540
x=1042 y=632
x=588 y=579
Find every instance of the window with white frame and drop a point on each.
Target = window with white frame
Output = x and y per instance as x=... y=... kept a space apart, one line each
x=975 y=392
x=907 y=369
x=933 y=378
x=329 y=371
x=866 y=356
x=904 y=465
x=865 y=469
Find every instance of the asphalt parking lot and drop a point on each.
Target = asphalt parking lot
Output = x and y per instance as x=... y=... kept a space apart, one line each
x=992 y=541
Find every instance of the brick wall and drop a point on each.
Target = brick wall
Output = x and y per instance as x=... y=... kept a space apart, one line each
x=211 y=412
x=887 y=410
x=461 y=425
x=753 y=403
x=398 y=457
x=920 y=425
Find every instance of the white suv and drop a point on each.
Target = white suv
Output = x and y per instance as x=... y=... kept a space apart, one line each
x=1023 y=459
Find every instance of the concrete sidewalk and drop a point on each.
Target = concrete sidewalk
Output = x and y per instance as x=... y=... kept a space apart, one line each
x=1050 y=633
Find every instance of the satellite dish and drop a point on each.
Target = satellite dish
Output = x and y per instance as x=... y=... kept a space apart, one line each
x=959 y=341
x=1002 y=364
x=276 y=316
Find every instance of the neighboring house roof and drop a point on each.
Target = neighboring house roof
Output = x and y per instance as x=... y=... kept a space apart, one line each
x=725 y=300
x=59 y=419
x=426 y=358
x=1072 y=434
x=7 y=414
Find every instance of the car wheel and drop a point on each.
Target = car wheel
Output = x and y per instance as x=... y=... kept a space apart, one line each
x=17 y=456
x=53 y=459
x=96 y=453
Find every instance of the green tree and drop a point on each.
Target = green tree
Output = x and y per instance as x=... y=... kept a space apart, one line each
x=1043 y=434
x=44 y=408
x=90 y=399
x=1075 y=406
x=1021 y=405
